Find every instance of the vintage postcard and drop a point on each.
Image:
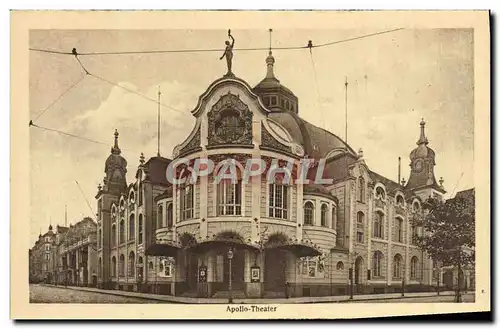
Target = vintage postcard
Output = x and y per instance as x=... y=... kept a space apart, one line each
x=255 y=165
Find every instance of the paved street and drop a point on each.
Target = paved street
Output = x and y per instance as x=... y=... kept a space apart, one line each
x=46 y=294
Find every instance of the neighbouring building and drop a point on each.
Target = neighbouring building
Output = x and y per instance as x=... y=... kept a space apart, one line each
x=302 y=238
x=41 y=258
x=77 y=254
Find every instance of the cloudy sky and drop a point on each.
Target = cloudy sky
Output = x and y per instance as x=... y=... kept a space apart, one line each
x=395 y=79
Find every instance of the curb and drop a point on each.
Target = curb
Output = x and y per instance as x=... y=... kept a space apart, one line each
x=161 y=298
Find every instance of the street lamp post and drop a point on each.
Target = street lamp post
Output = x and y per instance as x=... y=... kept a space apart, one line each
x=230 y=257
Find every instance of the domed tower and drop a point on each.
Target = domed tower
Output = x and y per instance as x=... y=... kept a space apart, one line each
x=273 y=94
x=422 y=161
x=115 y=169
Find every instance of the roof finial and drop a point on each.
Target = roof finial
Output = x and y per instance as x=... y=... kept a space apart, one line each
x=360 y=152
x=422 y=139
x=141 y=158
x=116 y=149
x=441 y=181
x=270 y=41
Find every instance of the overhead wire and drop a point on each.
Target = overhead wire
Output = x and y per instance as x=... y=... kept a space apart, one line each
x=59 y=97
x=51 y=51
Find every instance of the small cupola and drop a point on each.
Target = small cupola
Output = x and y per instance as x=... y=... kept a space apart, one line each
x=272 y=93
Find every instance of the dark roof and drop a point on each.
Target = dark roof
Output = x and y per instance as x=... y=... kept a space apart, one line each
x=168 y=193
x=317 y=142
x=390 y=185
x=466 y=194
x=156 y=170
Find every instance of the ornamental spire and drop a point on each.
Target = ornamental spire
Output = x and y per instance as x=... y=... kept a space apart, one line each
x=116 y=148
x=270 y=59
x=422 y=139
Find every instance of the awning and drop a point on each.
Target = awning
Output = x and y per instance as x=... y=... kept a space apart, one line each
x=217 y=244
x=298 y=249
x=162 y=249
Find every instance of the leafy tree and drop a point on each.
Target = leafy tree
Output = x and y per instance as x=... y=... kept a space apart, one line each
x=449 y=231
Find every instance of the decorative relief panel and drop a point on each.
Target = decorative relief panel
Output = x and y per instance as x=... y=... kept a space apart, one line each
x=230 y=122
x=194 y=143
x=379 y=203
x=269 y=141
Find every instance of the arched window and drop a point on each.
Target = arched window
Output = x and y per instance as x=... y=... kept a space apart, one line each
x=121 y=263
x=187 y=202
x=159 y=217
x=378 y=224
x=131 y=198
x=416 y=207
x=229 y=197
x=324 y=214
x=340 y=266
x=122 y=231
x=170 y=215
x=113 y=266
x=139 y=233
x=113 y=235
x=397 y=266
x=150 y=266
x=400 y=201
x=160 y=269
x=399 y=229
x=308 y=213
x=377 y=263
x=360 y=218
x=131 y=264
x=278 y=201
x=414 y=268
x=361 y=189
x=140 y=269
x=380 y=193
x=334 y=218
x=414 y=233
x=131 y=227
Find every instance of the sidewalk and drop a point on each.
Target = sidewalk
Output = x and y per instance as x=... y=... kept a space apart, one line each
x=294 y=300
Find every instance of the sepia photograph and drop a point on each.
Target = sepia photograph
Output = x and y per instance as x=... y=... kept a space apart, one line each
x=231 y=166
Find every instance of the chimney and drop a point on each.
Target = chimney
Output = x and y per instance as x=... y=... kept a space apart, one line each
x=399 y=170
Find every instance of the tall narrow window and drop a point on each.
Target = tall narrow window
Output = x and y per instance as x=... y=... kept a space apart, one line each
x=121 y=269
x=170 y=215
x=414 y=233
x=122 y=231
x=139 y=233
x=324 y=214
x=378 y=225
x=113 y=235
x=400 y=201
x=377 y=263
x=113 y=267
x=308 y=213
x=360 y=218
x=99 y=241
x=361 y=189
x=414 y=268
x=399 y=229
x=278 y=201
x=159 y=217
x=131 y=264
x=397 y=266
x=131 y=228
x=229 y=196
x=187 y=198
x=334 y=218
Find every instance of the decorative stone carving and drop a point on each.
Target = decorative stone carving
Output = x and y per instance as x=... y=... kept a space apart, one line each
x=230 y=122
x=269 y=141
x=379 y=203
x=193 y=144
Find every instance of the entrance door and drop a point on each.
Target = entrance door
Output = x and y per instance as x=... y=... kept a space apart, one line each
x=275 y=269
x=192 y=271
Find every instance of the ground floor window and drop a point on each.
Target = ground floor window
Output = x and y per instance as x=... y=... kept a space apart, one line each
x=312 y=267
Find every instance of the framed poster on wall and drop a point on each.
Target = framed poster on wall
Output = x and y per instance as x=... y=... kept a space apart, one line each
x=255 y=274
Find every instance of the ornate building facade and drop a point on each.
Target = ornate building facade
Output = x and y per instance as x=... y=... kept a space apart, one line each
x=265 y=236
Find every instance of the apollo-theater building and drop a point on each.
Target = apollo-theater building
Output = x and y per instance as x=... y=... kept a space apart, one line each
x=264 y=235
